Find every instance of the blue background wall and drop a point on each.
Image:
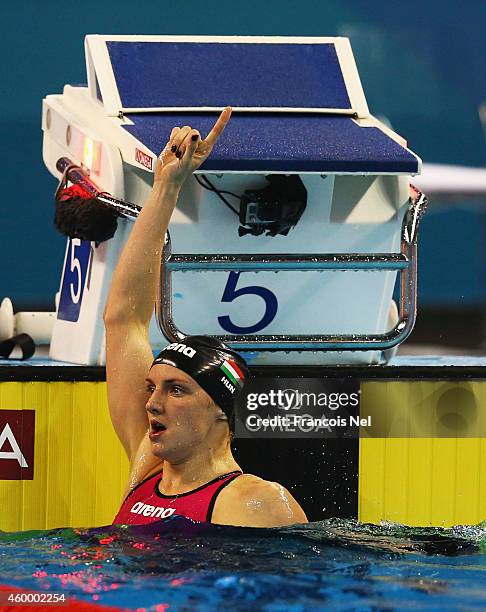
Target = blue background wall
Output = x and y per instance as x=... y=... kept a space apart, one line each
x=421 y=67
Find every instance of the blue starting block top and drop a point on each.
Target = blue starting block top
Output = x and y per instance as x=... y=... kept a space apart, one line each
x=283 y=142
x=252 y=75
x=298 y=104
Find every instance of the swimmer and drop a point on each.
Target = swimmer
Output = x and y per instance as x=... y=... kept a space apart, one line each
x=174 y=414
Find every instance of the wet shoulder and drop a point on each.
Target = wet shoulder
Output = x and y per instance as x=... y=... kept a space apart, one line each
x=252 y=501
x=246 y=484
x=249 y=486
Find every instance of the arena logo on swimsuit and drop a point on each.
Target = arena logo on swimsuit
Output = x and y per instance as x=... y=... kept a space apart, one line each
x=154 y=511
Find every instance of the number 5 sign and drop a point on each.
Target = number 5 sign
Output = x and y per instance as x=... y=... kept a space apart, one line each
x=231 y=293
x=76 y=266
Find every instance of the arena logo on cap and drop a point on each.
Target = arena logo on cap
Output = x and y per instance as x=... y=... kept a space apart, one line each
x=181 y=348
x=143 y=159
x=233 y=372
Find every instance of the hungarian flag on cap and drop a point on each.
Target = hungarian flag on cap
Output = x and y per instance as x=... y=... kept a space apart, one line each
x=233 y=372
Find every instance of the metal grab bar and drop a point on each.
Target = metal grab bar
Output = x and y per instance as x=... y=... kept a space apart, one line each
x=404 y=262
x=276 y=263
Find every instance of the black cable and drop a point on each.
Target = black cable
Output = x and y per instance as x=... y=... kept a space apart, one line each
x=213 y=188
x=218 y=192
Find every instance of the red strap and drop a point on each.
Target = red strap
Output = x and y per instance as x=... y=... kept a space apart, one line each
x=75 y=191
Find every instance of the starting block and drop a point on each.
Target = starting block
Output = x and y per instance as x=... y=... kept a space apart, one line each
x=320 y=294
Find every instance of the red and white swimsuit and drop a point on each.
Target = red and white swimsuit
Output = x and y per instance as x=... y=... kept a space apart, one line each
x=146 y=504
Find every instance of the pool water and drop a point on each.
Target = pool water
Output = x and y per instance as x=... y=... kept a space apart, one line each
x=180 y=565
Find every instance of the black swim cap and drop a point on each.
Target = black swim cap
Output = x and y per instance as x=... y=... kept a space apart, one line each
x=219 y=370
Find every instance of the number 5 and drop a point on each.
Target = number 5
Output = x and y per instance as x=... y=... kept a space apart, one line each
x=231 y=293
x=75 y=265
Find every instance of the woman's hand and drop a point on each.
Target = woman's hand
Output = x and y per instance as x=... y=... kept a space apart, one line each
x=185 y=151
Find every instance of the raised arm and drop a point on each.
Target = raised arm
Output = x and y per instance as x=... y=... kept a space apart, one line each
x=132 y=294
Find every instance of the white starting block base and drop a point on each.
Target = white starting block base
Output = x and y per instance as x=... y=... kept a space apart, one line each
x=355 y=205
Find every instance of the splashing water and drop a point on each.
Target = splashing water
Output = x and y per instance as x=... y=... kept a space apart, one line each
x=178 y=564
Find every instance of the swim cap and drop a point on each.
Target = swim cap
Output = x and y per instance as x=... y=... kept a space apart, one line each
x=219 y=370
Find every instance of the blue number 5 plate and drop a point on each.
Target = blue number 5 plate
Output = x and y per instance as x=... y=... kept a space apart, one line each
x=74 y=279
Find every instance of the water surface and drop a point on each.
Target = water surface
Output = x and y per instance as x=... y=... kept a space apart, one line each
x=180 y=565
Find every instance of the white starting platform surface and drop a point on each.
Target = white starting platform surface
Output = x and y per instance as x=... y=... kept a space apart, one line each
x=298 y=108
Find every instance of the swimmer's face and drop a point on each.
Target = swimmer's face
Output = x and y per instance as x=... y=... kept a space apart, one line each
x=181 y=414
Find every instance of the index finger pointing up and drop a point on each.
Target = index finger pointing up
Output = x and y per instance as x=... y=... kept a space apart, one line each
x=219 y=126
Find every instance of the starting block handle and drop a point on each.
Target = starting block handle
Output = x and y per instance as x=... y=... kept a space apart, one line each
x=79 y=176
x=404 y=262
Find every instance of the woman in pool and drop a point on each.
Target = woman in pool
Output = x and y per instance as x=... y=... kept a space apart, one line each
x=185 y=396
